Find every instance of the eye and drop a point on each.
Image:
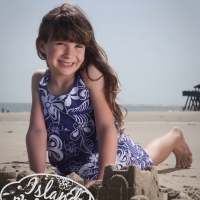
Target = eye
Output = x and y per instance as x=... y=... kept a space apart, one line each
x=60 y=43
x=79 y=46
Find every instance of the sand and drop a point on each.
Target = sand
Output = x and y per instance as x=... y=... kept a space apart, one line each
x=140 y=126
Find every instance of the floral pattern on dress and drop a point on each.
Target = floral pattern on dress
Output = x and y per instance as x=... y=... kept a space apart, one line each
x=129 y=152
x=79 y=92
x=89 y=171
x=56 y=128
x=54 y=147
x=72 y=149
x=52 y=106
x=73 y=166
x=72 y=144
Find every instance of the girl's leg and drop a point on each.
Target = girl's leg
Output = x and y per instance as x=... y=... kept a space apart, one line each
x=174 y=141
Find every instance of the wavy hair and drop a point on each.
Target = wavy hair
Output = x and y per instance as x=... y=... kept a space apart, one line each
x=68 y=22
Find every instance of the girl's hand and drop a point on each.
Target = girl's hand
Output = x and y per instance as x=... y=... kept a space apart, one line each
x=88 y=183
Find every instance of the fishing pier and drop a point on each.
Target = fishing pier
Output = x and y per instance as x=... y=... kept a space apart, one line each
x=193 y=99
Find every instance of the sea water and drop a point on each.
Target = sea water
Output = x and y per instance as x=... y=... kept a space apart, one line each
x=26 y=107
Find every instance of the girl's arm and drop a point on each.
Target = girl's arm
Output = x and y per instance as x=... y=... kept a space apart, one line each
x=104 y=119
x=36 y=138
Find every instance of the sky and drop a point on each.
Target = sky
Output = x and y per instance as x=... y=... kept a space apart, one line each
x=153 y=45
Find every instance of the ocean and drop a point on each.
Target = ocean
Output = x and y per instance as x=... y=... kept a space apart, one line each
x=26 y=107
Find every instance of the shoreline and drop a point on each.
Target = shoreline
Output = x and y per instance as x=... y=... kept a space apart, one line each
x=186 y=116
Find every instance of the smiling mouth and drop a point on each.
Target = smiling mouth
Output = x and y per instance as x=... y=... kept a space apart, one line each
x=66 y=64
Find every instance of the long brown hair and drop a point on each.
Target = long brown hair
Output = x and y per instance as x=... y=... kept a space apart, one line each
x=68 y=22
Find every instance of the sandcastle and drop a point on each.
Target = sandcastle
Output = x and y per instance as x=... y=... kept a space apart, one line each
x=7 y=175
x=129 y=182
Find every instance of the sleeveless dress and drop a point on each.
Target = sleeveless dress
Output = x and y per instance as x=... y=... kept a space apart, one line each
x=72 y=145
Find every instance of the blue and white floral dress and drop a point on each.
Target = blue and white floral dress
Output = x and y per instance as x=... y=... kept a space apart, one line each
x=72 y=143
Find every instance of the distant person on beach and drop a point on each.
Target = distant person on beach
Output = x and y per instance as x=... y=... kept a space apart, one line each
x=2 y=110
x=74 y=114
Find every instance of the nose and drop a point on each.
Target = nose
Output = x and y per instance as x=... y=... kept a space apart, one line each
x=69 y=52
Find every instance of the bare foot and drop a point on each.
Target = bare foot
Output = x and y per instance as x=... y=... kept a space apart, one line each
x=182 y=151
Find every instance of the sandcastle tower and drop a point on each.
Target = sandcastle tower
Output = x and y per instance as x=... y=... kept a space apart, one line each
x=129 y=182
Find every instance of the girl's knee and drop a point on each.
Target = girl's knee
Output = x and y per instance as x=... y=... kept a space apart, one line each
x=176 y=133
x=176 y=130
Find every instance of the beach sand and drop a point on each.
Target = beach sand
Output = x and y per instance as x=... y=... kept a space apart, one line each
x=141 y=127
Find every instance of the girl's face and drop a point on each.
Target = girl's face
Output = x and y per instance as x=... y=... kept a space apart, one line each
x=63 y=57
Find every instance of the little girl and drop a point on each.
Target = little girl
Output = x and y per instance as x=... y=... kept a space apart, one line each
x=74 y=114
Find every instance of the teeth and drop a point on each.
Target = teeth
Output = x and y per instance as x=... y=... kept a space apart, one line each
x=66 y=63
